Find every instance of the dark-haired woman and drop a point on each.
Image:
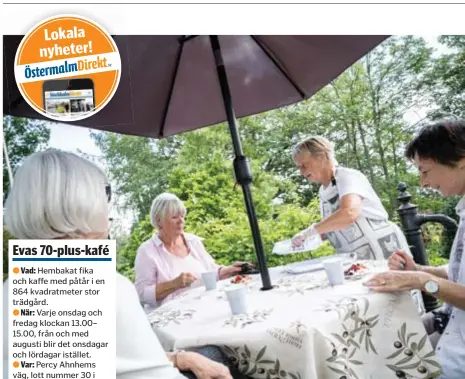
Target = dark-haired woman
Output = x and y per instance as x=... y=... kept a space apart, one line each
x=438 y=151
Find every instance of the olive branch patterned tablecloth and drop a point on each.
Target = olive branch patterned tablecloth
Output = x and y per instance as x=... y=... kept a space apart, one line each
x=304 y=329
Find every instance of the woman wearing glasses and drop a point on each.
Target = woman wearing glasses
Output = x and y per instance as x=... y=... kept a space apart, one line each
x=438 y=151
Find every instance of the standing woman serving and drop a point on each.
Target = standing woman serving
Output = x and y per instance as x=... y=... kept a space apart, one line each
x=354 y=219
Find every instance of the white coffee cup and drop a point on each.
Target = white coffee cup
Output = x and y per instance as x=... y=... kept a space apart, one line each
x=209 y=280
x=334 y=270
x=237 y=298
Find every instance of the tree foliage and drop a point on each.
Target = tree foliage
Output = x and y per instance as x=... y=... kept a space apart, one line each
x=447 y=79
x=22 y=138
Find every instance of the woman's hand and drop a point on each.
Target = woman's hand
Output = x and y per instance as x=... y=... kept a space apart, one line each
x=395 y=281
x=184 y=280
x=400 y=260
x=234 y=269
x=299 y=238
x=202 y=367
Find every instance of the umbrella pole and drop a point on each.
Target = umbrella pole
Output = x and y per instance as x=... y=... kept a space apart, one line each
x=242 y=169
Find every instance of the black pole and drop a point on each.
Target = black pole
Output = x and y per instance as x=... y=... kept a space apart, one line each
x=242 y=169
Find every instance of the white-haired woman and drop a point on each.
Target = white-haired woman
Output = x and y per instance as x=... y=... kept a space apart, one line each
x=172 y=260
x=354 y=219
x=59 y=195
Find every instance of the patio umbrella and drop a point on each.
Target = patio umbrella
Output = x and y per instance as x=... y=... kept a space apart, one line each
x=173 y=84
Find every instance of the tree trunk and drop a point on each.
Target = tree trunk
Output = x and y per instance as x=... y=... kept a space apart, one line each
x=376 y=114
x=354 y=146
x=394 y=157
x=366 y=153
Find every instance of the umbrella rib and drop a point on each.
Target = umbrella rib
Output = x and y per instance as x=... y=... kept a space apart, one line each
x=278 y=66
x=186 y=38
x=170 y=95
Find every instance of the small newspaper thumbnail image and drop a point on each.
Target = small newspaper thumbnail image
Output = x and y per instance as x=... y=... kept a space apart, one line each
x=82 y=105
x=58 y=107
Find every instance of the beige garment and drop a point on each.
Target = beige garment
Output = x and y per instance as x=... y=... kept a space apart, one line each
x=372 y=235
x=369 y=239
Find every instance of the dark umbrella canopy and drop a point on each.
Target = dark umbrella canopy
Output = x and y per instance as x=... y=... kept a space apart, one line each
x=173 y=84
x=169 y=84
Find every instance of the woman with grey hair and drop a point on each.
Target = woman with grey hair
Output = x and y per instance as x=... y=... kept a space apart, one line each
x=172 y=260
x=354 y=219
x=58 y=195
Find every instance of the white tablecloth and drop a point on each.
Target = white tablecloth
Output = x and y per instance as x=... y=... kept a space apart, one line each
x=304 y=329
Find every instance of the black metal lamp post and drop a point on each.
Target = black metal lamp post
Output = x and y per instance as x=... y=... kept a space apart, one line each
x=411 y=224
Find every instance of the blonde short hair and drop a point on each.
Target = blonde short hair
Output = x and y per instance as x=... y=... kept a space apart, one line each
x=57 y=194
x=315 y=146
x=165 y=205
